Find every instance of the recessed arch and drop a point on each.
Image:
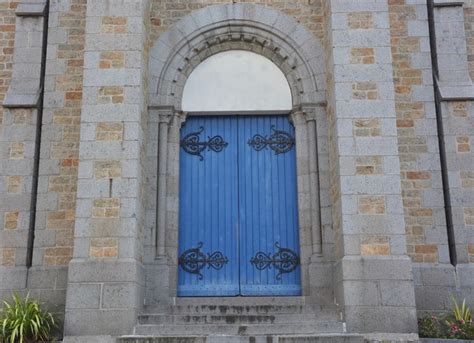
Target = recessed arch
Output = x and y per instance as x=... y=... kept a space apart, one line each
x=236 y=80
x=173 y=58
x=256 y=28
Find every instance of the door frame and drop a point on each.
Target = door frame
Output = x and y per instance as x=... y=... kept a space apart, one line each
x=167 y=123
x=236 y=114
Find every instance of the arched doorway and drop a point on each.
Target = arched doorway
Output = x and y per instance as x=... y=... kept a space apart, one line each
x=174 y=58
x=238 y=217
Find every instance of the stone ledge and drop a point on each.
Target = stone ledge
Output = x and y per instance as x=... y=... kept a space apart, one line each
x=23 y=100
x=31 y=9
x=89 y=339
x=456 y=92
x=447 y=3
x=440 y=340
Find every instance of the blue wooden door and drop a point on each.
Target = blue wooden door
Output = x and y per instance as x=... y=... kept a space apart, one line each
x=238 y=207
x=269 y=243
x=208 y=216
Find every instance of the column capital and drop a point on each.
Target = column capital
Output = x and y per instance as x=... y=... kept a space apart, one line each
x=310 y=112
x=297 y=117
x=178 y=118
x=165 y=118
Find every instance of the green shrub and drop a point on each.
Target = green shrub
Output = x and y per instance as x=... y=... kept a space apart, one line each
x=457 y=324
x=459 y=321
x=430 y=326
x=24 y=321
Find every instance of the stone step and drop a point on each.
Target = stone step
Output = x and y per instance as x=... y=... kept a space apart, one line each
x=235 y=319
x=314 y=328
x=340 y=338
x=240 y=301
x=240 y=310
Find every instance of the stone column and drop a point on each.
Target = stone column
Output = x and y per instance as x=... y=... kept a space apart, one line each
x=373 y=274
x=106 y=275
x=164 y=123
x=298 y=119
x=320 y=267
x=157 y=259
x=314 y=188
x=172 y=200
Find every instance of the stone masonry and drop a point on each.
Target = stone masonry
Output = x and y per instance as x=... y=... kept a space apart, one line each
x=89 y=168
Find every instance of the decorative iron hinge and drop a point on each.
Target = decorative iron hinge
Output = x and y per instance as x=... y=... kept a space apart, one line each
x=192 y=145
x=284 y=260
x=193 y=260
x=280 y=141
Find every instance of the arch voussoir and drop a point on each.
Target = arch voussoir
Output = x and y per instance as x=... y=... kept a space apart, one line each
x=247 y=27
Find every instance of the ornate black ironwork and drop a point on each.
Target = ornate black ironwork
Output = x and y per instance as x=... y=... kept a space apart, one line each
x=284 y=260
x=192 y=145
x=279 y=141
x=194 y=260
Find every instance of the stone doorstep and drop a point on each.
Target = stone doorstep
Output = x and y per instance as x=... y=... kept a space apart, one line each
x=288 y=329
x=258 y=310
x=343 y=338
x=323 y=338
x=241 y=301
x=241 y=319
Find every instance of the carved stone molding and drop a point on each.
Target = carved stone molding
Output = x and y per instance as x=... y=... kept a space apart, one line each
x=240 y=26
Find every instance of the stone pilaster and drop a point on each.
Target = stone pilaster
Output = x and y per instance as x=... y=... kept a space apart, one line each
x=373 y=276
x=156 y=257
x=19 y=133
x=106 y=275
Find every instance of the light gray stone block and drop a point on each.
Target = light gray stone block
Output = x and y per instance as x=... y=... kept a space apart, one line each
x=105 y=271
x=89 y=339
x=83 y=296
x=120 y=295
x=381 y=319
x=99 y=322
x=13 y=278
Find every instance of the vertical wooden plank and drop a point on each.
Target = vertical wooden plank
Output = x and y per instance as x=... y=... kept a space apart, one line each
x=268 y=209
x=208 y=209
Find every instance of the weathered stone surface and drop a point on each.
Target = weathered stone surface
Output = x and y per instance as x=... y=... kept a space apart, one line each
x=370 y=178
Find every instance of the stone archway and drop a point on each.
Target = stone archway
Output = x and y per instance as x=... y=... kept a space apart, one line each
x=214 y=29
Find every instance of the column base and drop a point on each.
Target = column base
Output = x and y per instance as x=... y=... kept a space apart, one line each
x=103 y=297
x=321 y=276
x=376 y=294
x=158 y=290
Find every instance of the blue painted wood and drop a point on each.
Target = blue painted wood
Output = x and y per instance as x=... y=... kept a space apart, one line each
x=239 y=202
x=209 y=208
x=268 y=208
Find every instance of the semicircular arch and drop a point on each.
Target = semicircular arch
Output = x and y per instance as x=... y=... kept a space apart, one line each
x=255 y=28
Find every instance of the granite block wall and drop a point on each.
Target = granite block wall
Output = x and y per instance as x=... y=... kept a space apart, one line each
x=382 y=189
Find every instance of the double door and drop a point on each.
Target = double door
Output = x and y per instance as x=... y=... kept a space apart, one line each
x=238 y=220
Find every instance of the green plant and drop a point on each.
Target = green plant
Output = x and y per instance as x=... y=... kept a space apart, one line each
x=460 y=313
x=430 y=326
x=24 y=321
x=459 y=321
x=457 y=324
